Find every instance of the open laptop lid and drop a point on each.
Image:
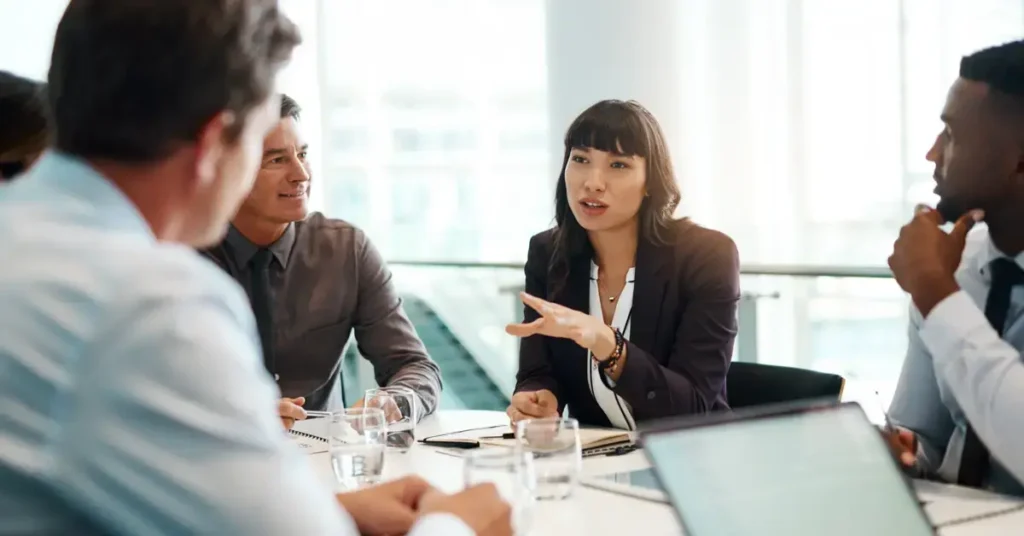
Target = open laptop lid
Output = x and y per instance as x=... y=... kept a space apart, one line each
x=793 y=470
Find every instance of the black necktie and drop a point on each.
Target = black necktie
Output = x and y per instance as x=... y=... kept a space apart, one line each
x=263 y=304
x=1006 y=274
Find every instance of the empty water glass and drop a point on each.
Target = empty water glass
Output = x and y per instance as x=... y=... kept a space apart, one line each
x=401 y=407
x=356 y=442
x=557 y=454
x=511 y=472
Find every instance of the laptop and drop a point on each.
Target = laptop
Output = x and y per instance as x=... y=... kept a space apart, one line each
x=793 y=470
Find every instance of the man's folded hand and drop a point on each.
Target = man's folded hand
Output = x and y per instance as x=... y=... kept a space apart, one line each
x=389 y=508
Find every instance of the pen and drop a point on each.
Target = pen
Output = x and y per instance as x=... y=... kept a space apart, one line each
x=885 y=414
x=315 y=414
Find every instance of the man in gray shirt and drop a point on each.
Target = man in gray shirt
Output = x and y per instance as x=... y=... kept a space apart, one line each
x=312 y=281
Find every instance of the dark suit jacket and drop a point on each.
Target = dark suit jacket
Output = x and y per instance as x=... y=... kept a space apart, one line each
x=685 y=297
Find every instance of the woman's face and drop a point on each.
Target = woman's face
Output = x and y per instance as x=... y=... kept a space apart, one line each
x=604 y=189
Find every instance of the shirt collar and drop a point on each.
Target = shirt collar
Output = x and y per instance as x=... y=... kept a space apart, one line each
x=243 y=250
x=97 y=197
x=988 y=252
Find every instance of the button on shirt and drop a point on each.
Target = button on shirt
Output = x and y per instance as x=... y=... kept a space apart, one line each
x=133 y=399
x=958 y=369
x=328 y=281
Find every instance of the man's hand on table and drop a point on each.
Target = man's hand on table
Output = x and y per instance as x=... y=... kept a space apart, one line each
x=389 y=508
x=385 y=403
x=393 y=507
x=480 y=507
x=290 y=410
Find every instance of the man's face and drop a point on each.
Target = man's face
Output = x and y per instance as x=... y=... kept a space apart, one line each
x=281 y=191
x=975 y=156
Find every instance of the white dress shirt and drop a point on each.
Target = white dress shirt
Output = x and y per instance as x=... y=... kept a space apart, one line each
x=958 y=369
x=617 y=410
x=133 y=399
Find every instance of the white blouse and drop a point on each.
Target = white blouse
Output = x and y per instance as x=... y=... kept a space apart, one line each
x=617 y=410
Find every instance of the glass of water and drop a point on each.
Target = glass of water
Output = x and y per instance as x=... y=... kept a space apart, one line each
x=401 y=408
x=557 y=454
x=356 y=444
x=511 y=471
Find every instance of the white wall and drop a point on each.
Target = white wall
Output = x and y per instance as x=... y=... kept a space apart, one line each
x=27 y=37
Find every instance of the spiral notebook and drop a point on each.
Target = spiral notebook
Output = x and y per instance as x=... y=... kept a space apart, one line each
x=308 y=443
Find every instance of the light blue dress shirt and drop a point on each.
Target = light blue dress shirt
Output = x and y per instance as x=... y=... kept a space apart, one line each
x=958 y=369
x=133 y=399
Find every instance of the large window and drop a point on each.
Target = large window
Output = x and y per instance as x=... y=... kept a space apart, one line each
x=798 y=127
x=441 y=107
x=803 y=136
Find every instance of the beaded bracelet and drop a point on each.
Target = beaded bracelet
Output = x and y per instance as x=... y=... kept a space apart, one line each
x=608 y=365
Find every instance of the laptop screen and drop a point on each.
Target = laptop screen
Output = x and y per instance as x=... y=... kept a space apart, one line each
x=823 y=471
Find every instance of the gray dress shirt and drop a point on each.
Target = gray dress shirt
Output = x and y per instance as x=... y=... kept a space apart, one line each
x=328 y=281
x=958 y=369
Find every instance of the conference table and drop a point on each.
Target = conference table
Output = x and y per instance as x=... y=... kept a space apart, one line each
x=593 y=511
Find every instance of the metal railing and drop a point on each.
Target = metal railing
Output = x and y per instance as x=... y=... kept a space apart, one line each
x=746 y=341
x=790 y=270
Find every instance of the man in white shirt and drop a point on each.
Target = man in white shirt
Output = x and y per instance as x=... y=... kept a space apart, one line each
x=133 y=399
x=960 y=398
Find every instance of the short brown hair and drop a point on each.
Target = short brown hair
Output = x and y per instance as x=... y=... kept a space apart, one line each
x=130 y=79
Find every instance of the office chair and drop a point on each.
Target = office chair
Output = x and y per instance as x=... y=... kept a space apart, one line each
x=755 y=384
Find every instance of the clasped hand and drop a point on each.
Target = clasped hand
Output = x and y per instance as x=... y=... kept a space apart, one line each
x=532 y=405
x=393 y=507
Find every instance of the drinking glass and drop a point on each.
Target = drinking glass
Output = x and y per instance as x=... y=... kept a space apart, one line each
x=557 y=454
x=401 y=408
x=511 y=472
x=356 y=443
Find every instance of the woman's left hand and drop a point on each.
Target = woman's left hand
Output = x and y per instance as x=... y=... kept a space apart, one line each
x=565 y=323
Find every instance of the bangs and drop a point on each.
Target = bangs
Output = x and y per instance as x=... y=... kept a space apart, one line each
x=611 y=128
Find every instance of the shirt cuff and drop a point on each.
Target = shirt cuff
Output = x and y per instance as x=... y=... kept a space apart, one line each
x=441 y=524
x=949 y=323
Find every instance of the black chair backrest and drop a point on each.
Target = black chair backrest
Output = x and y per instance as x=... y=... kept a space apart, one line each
x=755 y=384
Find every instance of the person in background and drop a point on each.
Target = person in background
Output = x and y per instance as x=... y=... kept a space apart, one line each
x=24 y=130
x=959 y=403
x=132 y=393
x=630 y=313
x=312 y=282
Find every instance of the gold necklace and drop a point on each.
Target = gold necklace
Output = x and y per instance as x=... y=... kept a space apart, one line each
x=611 y=299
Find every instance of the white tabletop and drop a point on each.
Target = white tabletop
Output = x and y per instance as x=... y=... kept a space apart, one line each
x=594 y=512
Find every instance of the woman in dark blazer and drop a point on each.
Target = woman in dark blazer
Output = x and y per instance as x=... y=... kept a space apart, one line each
x=630 y=313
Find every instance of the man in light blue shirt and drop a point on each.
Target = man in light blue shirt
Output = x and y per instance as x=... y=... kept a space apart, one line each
x=132 y=396
x=960 y=398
